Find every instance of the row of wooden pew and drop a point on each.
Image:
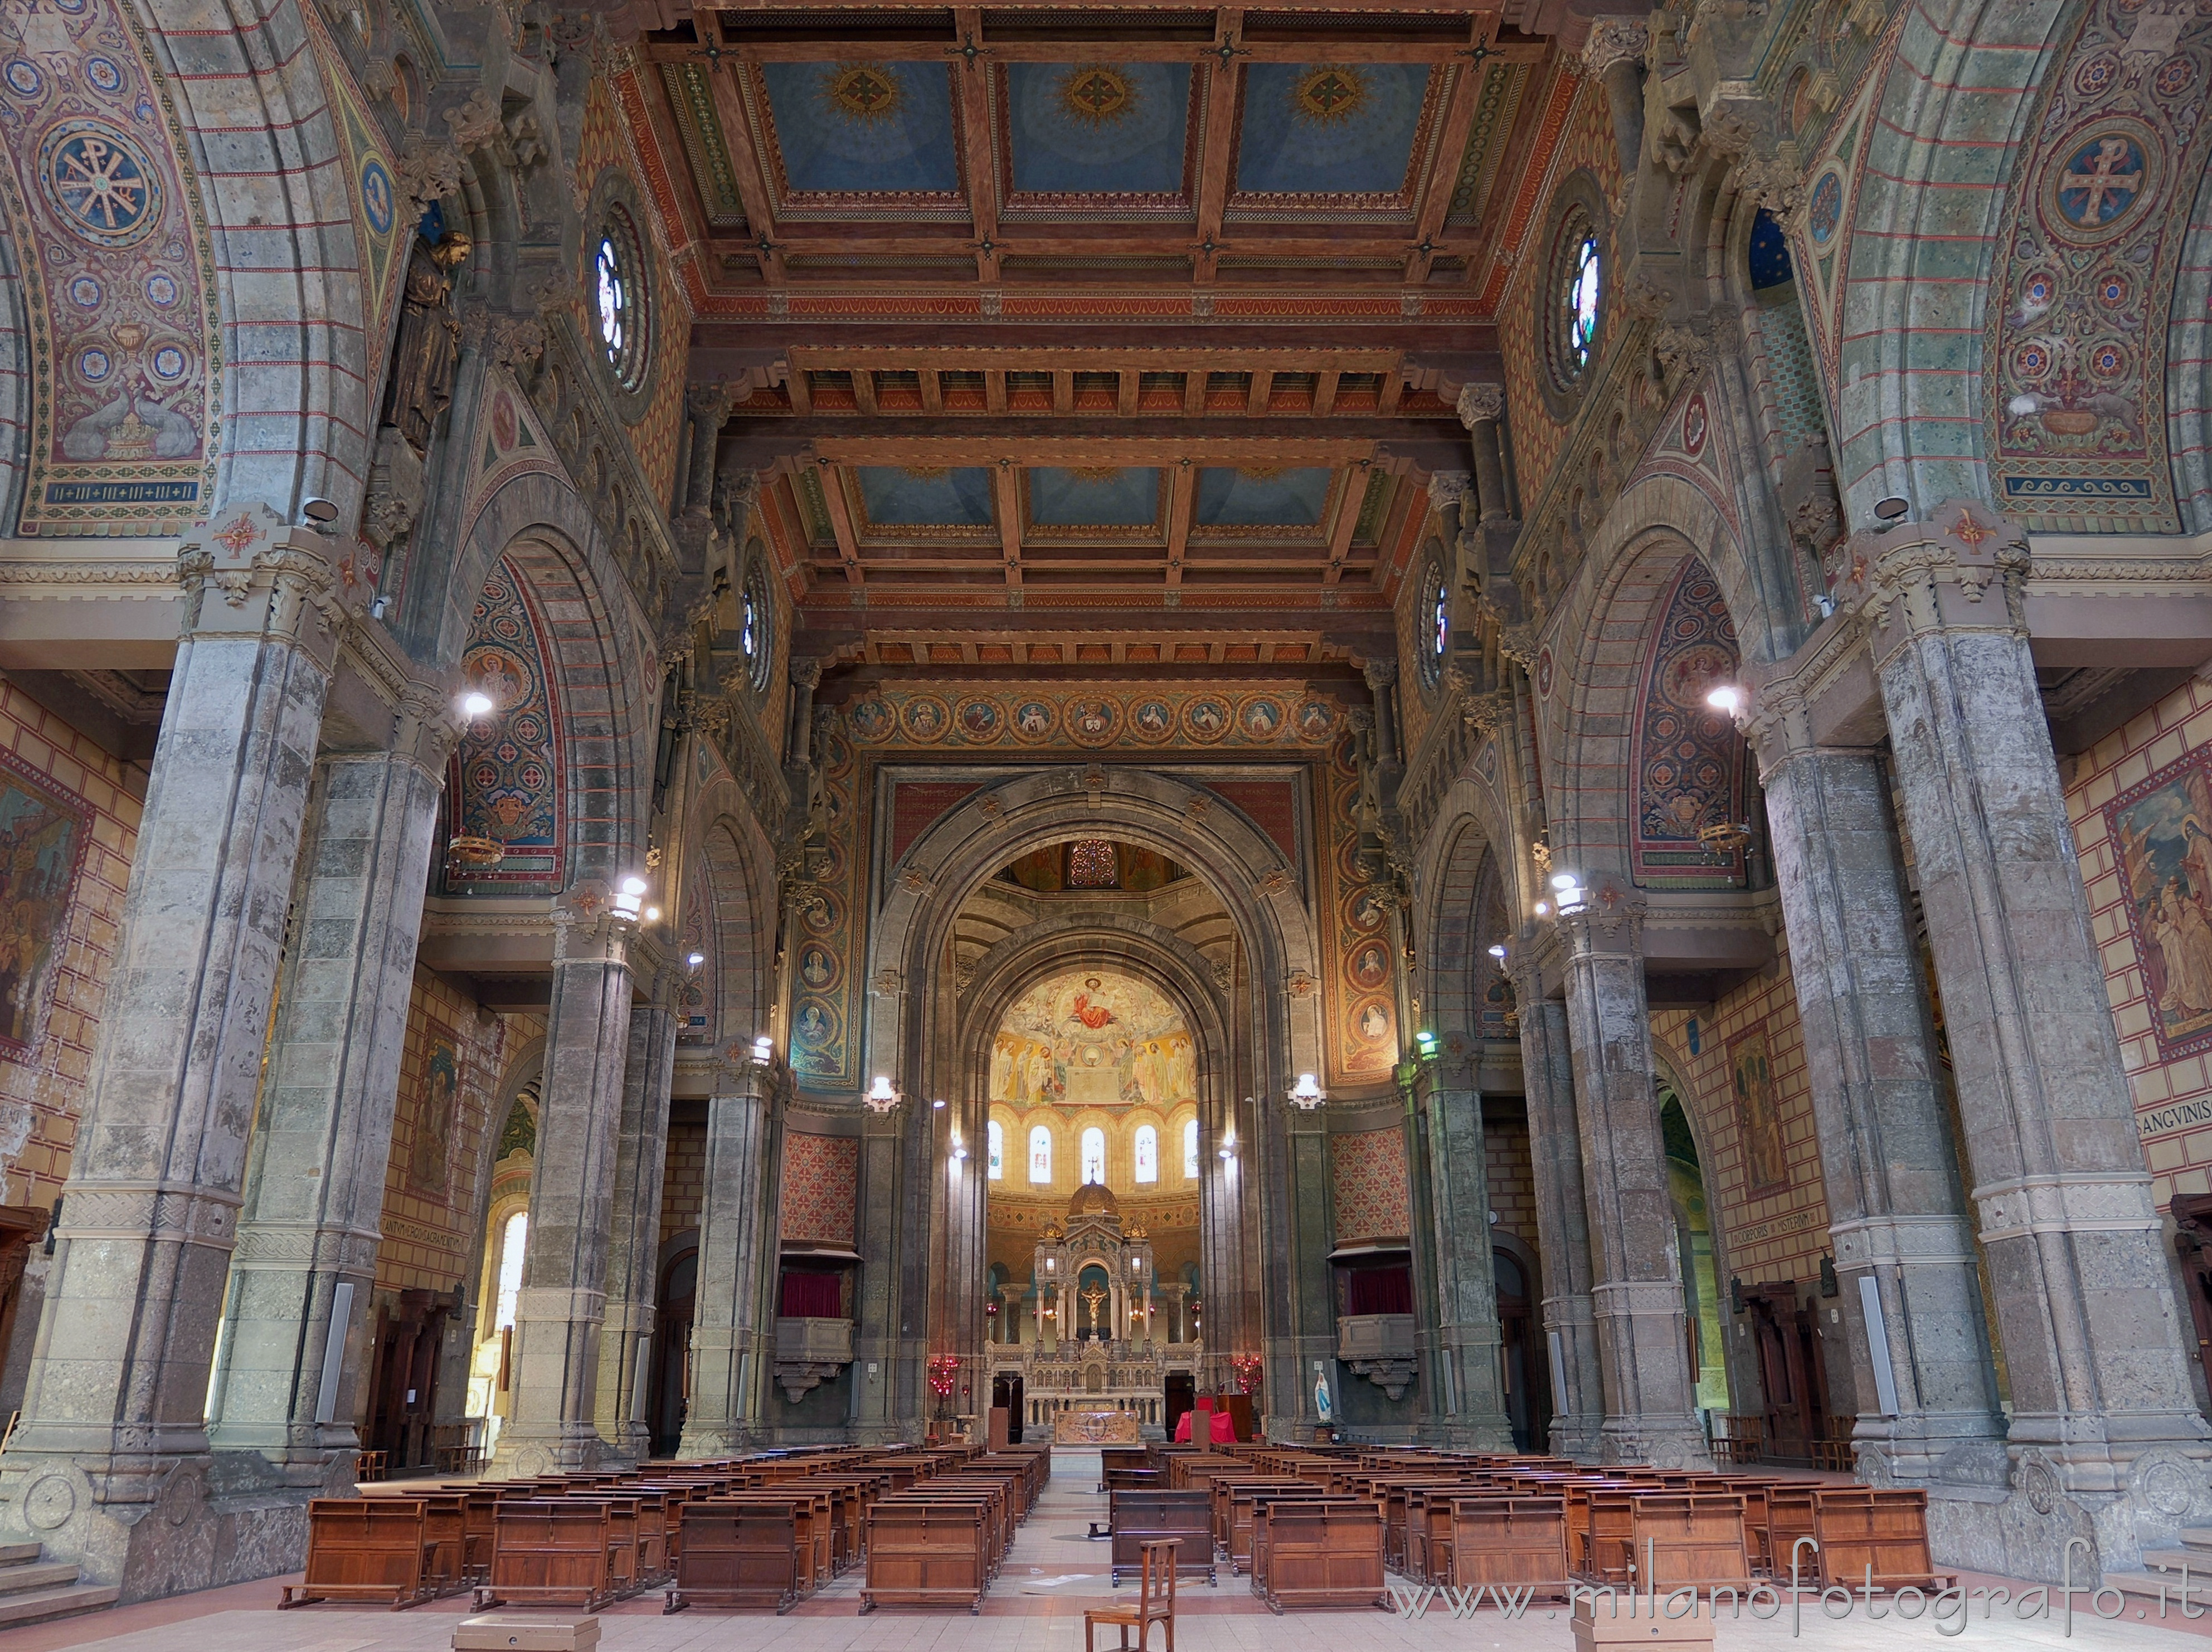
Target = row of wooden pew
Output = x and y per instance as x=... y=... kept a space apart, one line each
x=1320 y=1525
x=759 y=1532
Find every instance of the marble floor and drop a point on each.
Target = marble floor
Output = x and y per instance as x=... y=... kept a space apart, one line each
x=1053 y=1572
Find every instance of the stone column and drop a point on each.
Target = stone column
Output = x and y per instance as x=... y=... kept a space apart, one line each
x=114 y=1407
x=2103 y=1416
x=322 y=1146
x=1897 y=1212
x=1642 y=1335
x=1614 y=54
x=1037 y=1310
x=632 y=1239
x=1563 y=1228
x=733 y=1322
x=551 y=1427
x=1382 y=677
x=1481 y=409
x=1472 y=1410
x=1010 y=1315
x=710 y=407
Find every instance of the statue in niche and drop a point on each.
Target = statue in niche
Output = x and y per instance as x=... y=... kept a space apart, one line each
x=429 y=345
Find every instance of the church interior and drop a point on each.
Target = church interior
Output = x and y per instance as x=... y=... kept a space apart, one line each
x=926 y=753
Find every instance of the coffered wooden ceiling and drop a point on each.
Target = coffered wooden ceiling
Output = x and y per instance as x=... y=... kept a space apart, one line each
x=1055 y=317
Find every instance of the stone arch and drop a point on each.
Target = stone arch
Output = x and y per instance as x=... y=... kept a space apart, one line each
x=1459 y=865
x=15 y=383
x=262 y=137
x=2189 y=370
x=741 y=914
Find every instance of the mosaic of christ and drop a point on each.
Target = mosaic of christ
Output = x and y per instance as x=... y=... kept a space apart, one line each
x=1093 y=1038
x=2162 y=837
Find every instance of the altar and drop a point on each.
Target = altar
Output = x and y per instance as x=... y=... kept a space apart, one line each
x=1095 y=1428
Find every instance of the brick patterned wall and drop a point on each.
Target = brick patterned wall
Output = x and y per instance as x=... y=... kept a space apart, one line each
x=1770 y=1233
x=42 y=1089
x=2172 y=1086
x=683 y=1190
x=1512 y=1181
x=429 y=1187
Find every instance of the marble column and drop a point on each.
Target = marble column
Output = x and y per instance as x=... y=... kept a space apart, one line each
x=1896 y=1208
x=551 y=1427
x=733 y=1323
x=1470 y=1408
x=1636 y=1290
x=322 y=1146
x=1563 y=1228
x=114 y=1408
x=634 y=1234
x=1614 y=54
x=2102 y=1407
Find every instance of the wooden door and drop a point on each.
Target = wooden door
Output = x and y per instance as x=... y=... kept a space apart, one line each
x=1792 y=1422
x=1523 y=1367
x=1007 y=1391
x=2192 y=1218
x=1182 y=1394
x=671 y=1392
x=404 y=1401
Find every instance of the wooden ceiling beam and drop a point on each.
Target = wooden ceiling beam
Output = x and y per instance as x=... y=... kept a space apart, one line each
x=1351 y=47
x=864 y=392
x=933 y=391
x=1352 y=492
x=1007 y=507
x=1194 y=392
x=994 y=391
x=1325 y=388
x=1182 y=500
x=724 y=349
x=1063 y=390
x=1127 y=382
x=1443 y=176
x=1214 y=163
x=841 y=524
x=975 y=142
x=745 y=165
x=1425 y=445
x=1314 y=240
x=996 y=360
x=1256 y=392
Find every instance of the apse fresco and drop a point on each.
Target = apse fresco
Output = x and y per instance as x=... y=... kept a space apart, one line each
x=505 y=779
x=2161 y=832
x=1093 y=1038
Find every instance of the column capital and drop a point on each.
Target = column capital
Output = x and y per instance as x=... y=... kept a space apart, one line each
x=1380 y=673
x=805 y=673
x=248 y=574
x=1610 y=921
x=1450 y=489
x=1481 y=403
x=709 y=403
x=1937 y=574
x=587 y=929
x=1614 y=40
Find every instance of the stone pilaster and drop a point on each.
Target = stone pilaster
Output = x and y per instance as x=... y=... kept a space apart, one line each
x=1636 y=1292
x=1563 y=1228
x=2105 y=1432
x=322 y=1148
x=1468 y=1409
x=113 y=1430
x=634 y=1236
x=551 y=1428
x=733 y=1323
x=1897 y=1211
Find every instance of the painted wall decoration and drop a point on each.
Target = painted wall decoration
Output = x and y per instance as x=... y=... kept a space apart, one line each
x=2092 y=237
x=1093 y=1039
x=379 y=221
x=506 y=779
x=2160 y=830
x=827 y=996
x=1759 y=1113
x=698 y=989
x=42 y=837
x=450 y=1069
x=991 y=716
x=1373 y=1200
x=1361 y=1006
x=1690 y=760
x=820 y=1179
x=430 y=1165
x=126 y=354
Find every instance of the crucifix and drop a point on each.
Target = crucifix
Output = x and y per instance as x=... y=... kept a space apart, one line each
x=1092 y=1297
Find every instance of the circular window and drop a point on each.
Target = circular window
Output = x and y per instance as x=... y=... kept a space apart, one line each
x=1577 y=290
x=619 y=296
x=754 y=614
x=1435 y=615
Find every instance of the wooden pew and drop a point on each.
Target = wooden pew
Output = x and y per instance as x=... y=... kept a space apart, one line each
x=1139 y=1518
x=556 y=1552
x=1688 y=1538
x=737 y=1554
x=924 y=1552
x=1317 y=1551
x=370 y=1549
x=1509 y=1541
x=1244 y=1502
x=1885 y=1529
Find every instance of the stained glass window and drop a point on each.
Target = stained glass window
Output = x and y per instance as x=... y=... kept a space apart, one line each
x=1094 y=1156
x=1579 y=306
x=1040 y=1154
x=1190 y=1150
x=1091 y=864
x=997 y=1143
x=1439 y=621
x=1148 y=1153
x=618 y=300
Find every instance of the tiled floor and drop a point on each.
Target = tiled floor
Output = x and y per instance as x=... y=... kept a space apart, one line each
x=1036 y=1605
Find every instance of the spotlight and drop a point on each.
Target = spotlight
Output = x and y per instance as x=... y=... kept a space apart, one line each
x=1890 y=509
x=629 y=896
x=653 y=915
x=1306 y=1094
x=695 y=959
x=938 y=1104
x=1727 y=697
x=320 y=511
x=1498 y=951
x=476 y=703
x=763 y=1048
x=881 y=1097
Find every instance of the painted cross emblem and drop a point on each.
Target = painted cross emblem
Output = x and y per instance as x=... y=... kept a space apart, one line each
x=1330 y=93
x=2101 y=180
x=1970 y=532
x=238 y=535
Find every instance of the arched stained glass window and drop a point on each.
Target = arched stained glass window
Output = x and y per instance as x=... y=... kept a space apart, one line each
x=1190 y=1149
x=997 y=1143
x=1578 y=299
x=1148 y=1153
x=1094 y=1156
x=1040 y=1154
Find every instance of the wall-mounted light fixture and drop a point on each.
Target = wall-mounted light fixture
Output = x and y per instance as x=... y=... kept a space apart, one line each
x=1306 y=1094
x=630 y=895
x=476 y=703
x=1568 y=892
x=763 y=1050
x=881 y=1097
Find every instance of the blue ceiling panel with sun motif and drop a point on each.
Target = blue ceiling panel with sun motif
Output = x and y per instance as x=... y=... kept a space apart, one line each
x=1099 y=129
x=867 y=128
x=1126 y=498
x=1254 y=499
x=1329 y=129
x=956 y=498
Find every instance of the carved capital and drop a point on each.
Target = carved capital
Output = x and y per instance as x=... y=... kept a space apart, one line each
x=805 y=673
x=517 y=343
x=708 y=403
x=1450 y=490
x=1645 y=299
x=1615 y=40
x=1907 y=574
x=428 y=172
x=1610 y=921
x=248 y=574
x=1481 y=403
x=1380 y=673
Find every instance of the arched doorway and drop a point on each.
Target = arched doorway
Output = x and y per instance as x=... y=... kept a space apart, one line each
x=1694 y=1239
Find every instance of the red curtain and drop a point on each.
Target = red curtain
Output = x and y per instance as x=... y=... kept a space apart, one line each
x=1381 y=1291
x=812 y=1296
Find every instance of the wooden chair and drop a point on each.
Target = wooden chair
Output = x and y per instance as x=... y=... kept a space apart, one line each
x=1155 y=1601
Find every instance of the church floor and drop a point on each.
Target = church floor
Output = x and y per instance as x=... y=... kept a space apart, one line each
x=1053 y=1572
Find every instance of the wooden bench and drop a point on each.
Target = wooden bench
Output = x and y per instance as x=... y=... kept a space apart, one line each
x=1317 y=1551
x=1142 y=1517
x=737 y=1554
x=926 y=1552
x=556 y=1552
x=1873 y=1532
x=368 y=1549
x=1688 y=1538
x=1509 y=1541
